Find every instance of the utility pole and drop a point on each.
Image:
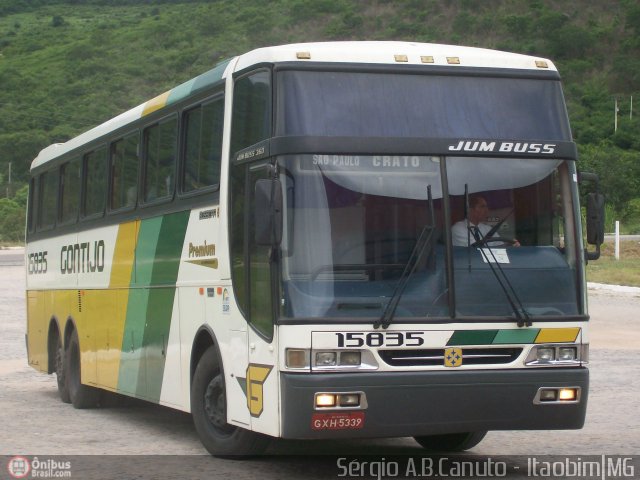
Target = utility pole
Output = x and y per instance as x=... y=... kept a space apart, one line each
x=615 y=116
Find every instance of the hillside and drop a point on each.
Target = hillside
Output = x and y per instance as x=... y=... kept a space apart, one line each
x=66 y=66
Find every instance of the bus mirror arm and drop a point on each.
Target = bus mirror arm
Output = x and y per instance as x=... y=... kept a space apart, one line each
x=268 y=212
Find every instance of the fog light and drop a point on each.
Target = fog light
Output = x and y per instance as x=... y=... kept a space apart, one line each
x=349 y=399
x=568 y=394
x=546 y=354
x=326 y=359
x=566 y=354
x=350 y=358
x=297 y=358
x=548 y=395
x=325 y=400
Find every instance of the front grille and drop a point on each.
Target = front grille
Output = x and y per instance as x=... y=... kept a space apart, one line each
x=435 y=356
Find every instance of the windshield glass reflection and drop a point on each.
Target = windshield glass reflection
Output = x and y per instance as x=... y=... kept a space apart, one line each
x=351 y=225
x=353 y=221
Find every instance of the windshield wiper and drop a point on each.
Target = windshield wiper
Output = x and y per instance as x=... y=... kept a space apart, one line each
x=519 y=311
x=424 y=239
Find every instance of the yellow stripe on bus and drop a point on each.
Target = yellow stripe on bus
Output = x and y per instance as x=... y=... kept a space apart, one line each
x=156 y=103
x=123 y=255
x=554 y=335
x=108 y=311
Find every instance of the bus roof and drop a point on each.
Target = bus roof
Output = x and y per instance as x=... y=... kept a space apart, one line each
x=391 y=53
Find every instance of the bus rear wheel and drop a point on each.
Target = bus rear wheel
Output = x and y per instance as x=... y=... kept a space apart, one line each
x=81 y=396
x=61 y=377
x=450 y=442
x=209 y=411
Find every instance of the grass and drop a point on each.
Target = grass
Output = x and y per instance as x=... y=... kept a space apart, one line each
x=607 y=269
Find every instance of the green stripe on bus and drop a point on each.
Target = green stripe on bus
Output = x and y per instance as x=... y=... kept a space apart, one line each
x=199 y=83
x=516 y=336
x=169 y=248
x=493 y=337
x=472 y=337
x=160 y=305
x=181 y=91
x=146 y=251
x=149 y=311
x=156 y=337
x=130 y=379
x=209 y=78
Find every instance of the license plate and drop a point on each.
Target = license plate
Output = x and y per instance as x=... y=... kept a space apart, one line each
x=337 y=421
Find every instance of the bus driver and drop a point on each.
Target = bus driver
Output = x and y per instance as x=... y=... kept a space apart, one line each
x=473 y=229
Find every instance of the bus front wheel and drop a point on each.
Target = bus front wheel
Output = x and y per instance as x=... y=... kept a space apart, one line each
x=81 y=396
x=209 y=411
x=450 y=442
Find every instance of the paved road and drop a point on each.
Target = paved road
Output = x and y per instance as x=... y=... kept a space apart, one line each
x=35 y=422
x=11 y=257
x=610 y=237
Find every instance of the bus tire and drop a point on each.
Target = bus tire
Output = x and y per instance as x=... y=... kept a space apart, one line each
x=81 y=396
x=61 y=377
x=209 y=411
x=450 y=442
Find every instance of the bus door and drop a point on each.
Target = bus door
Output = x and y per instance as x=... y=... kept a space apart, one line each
x=262 y=375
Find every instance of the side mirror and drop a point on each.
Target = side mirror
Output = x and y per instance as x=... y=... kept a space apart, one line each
x=268 y=212
x=595 y=218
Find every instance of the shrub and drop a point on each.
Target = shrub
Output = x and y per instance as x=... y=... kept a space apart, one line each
x=57 y=21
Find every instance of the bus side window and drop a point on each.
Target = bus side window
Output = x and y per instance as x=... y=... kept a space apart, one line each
x=48 y=200
x=251 y=120
x=70 y=191
x=95 y=182
x=160 y=160
x=203 y=146
x=124 y=172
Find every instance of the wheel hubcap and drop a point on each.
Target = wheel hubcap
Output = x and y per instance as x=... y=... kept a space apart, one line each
x=215 y=403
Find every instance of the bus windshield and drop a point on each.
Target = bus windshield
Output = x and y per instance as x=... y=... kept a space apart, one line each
x=352 y=222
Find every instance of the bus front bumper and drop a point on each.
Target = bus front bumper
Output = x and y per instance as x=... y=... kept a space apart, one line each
x=400 y=404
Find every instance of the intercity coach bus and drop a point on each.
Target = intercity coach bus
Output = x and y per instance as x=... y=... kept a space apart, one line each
x=269 y=246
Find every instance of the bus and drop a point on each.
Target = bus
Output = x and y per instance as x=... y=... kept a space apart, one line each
x=269 y=247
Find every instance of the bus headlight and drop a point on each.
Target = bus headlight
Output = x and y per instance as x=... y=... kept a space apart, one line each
x=326 y=359
x=567 y=354
x=546 y=354
x=302 y=358
x=352 y=359
x=557 y=355
x=331 y=359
